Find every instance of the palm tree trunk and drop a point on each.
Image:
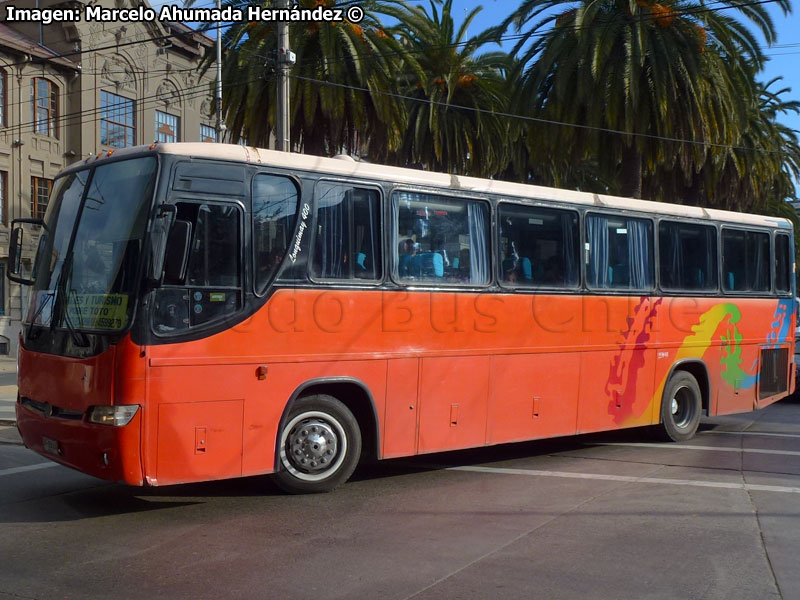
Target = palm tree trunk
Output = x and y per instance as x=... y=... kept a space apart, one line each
x=631 y=172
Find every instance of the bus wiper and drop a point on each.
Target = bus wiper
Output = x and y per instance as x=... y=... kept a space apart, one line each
x=50 y=298
x=38 y=312
x=61 y=305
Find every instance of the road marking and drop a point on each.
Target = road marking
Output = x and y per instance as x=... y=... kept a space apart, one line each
x=708 y=448
x=760 y=433
x=36 y=467
x=628 y=479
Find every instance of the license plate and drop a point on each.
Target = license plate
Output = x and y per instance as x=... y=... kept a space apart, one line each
x=51 y=446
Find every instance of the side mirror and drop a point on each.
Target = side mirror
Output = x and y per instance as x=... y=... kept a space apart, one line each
x=15 y=251
x=14 y=271
x=176 y=256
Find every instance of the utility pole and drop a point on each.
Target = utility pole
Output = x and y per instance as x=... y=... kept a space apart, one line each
x=286 y=59
x=218 y=95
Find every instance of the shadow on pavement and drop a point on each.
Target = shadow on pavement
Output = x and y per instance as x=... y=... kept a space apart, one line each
x=114 y=499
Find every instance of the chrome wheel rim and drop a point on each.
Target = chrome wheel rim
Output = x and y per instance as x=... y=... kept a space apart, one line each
x=313 y=446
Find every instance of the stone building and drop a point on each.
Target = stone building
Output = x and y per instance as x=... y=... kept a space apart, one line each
x=68 y=90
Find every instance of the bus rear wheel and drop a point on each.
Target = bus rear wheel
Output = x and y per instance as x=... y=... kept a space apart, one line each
x=319 y=446
x=681 y=407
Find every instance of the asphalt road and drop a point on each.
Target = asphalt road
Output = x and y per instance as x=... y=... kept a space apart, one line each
x=585 y=517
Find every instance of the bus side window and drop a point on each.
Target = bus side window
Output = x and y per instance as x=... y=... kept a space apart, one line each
x=745 y=261
x=620 y=252
x=275 y=200
x=440 y=239
x=538 y=246
x=688 y=256
x=212 y=286
x=348 y=234
x=783 y=264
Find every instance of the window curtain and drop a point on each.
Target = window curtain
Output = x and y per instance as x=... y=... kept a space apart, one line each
x=478 y=246
x=373 y=254
x=331 y=231
x=710 y=276
x=760 y=261
x=597 y=261
x=569 y=230
x=674 y=258
x=639 y=254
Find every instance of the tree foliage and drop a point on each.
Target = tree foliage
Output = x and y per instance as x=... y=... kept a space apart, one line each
x=648 y=98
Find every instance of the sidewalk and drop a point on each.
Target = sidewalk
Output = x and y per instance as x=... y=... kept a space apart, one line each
x=8 y=393
x=9 y=435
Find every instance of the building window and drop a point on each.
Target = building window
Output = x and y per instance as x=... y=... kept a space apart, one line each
x=3 y=301
x=117 y=125
x=44 y=98
x=3 y=192
x=2 y=98
x=40 y=193
x=208 y=133
x=166 y=127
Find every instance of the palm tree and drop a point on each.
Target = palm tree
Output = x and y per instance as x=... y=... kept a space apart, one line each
x=335 y=63
x=670 y=69
x=453 y=93
x=756 y=175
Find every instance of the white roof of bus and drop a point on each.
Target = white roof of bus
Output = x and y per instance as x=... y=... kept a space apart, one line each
x=346 y=167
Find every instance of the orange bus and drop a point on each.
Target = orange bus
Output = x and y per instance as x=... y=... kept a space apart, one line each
x=204 y=311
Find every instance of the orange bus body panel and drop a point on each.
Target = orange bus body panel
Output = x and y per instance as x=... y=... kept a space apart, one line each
x=443 y=371
x=456 y=370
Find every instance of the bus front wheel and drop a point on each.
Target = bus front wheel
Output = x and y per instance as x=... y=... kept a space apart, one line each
x=319 y=446
x=680 y=408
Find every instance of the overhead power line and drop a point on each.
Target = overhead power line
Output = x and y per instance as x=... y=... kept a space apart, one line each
x=76 y=117
x=143 y=76
x=644 y=18
x=536 y=119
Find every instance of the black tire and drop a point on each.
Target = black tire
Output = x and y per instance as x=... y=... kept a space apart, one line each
x=681 y=407
x=319 y=446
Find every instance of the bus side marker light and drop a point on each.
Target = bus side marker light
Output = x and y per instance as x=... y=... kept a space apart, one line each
x=536 y=402
x=261 y=372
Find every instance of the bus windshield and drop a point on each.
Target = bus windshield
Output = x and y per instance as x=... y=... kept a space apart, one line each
x=89 y=250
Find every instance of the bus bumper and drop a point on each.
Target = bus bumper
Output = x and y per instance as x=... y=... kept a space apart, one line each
x=103 y=451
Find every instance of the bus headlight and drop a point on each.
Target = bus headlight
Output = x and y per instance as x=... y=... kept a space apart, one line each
x=118 y=416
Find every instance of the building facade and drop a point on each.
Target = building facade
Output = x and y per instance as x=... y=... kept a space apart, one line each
x=70 y=90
